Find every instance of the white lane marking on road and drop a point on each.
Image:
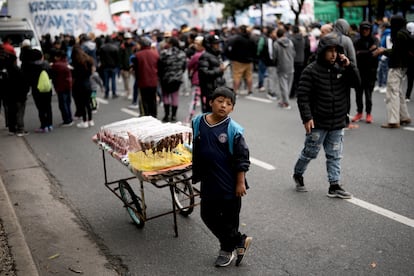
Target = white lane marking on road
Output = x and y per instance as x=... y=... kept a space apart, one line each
x=130 y=112
x=258 y=99
x=409 y=128
x=261 y=164
x=102 y=101
x=382 y=211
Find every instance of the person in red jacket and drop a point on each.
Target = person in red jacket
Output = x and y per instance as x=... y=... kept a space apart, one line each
x=62 y=81
x=7 y=46
x=145 y=63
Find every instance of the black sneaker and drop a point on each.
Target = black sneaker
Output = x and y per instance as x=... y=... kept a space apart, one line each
x=242 y=248
x=224 y=258
x=271 y=96
x=300 y=186
x=337 y=191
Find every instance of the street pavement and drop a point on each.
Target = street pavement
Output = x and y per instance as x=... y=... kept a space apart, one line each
x=68 y=249
x=61 y=219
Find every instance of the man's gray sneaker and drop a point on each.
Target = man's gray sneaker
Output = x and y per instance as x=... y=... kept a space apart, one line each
x=300 y=186
x=224 y=258
x=337 y=191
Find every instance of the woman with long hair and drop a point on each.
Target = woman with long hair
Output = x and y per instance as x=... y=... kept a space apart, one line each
x=82 y=70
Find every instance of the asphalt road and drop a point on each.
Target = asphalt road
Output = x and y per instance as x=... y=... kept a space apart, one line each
x=293 y=233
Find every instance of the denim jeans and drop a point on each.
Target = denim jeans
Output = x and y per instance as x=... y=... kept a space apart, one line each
x=332 y=141
x=109 y=73
x=65 y=100
x=382 y=73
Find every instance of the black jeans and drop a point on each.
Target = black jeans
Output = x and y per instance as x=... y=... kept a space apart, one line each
x=15 y=116
x=43 y=102
x=410 y=80
x=367 y=85
x=149 y=101
x=222 y=218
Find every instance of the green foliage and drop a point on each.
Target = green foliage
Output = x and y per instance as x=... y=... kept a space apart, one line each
x=231 y=6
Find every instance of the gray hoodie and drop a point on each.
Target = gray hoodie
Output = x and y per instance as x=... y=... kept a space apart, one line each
x=341 y=29
x=284 y=55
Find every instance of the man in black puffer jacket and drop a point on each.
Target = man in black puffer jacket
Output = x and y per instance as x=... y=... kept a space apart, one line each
x=210 y=70
x=323 y=104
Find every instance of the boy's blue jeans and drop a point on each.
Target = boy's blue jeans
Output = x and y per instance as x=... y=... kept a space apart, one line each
x=332 y=142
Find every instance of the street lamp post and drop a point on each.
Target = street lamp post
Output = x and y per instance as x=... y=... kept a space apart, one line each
x=261 y=14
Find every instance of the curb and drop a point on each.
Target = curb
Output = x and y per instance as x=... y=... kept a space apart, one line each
x=19 y=249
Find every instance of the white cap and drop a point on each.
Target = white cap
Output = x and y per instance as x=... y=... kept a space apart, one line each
x=127 y=35
x=199 y=39
x=316 y=32
x=26 y=43
x=410 y=27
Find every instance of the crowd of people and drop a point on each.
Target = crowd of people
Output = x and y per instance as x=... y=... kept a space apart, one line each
x=318 y=67
x=161 y=65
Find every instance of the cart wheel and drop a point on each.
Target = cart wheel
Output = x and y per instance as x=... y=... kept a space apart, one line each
x=128 y=196
x=183 y=195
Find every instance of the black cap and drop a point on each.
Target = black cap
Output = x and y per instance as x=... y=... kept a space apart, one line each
x=365 y=25
x=226 y=92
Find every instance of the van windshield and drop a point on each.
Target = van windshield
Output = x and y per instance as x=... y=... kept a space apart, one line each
x=18 y=36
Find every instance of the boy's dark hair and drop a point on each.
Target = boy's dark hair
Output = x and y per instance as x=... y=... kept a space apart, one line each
x=226 y=92
x=60 y=54
x=280 y=32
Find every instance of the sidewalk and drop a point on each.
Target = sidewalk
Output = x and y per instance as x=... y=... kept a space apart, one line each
x=14 y=238
x=44 y=235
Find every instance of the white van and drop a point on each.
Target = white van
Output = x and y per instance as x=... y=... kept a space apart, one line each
x=18 y=29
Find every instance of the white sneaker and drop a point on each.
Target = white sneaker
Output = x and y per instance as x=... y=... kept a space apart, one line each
x=91 y=123
x=133 y=106
x=383 y=90
x=82 y=125
x=377 y=89
x=129 y=97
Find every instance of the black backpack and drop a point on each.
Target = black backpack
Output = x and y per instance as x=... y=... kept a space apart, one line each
x=263 y=54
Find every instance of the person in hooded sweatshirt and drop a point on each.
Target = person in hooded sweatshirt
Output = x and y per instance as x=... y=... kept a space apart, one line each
x=210 y=70
x=410 y=68
x=284 y=56
x=365 y=46
x=341 y=30
x=299 y=42
x=399 y=58
x=322 y=98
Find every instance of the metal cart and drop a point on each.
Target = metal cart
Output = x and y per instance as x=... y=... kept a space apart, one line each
x=183 y=193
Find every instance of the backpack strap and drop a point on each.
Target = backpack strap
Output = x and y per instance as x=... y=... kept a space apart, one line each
x=233 y=130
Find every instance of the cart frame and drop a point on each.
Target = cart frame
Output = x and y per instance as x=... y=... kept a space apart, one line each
x=175 y=178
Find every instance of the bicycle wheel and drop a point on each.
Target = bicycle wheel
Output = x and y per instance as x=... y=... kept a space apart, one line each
x=183 y=194
x=129 y=197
